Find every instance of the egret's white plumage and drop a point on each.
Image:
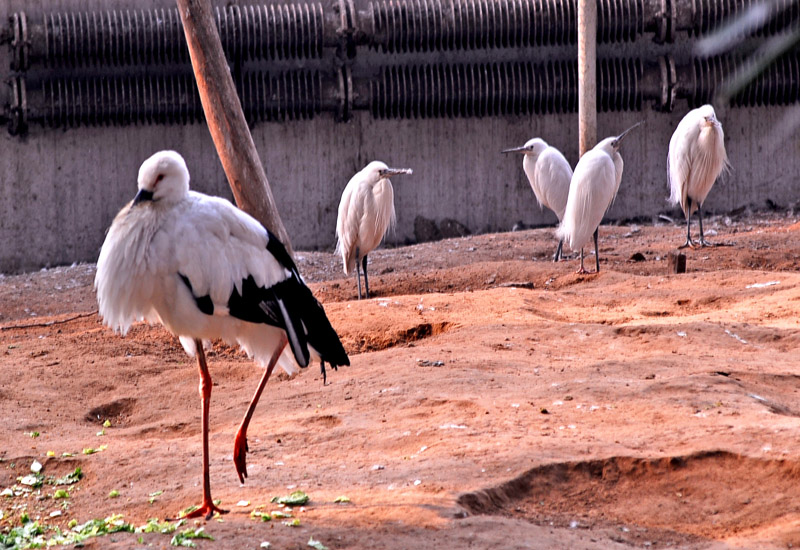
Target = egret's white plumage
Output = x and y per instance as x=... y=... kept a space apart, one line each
x=549 y=174
x=206 y=270
x=366 y=212
x=696 y=158
x=594 y=185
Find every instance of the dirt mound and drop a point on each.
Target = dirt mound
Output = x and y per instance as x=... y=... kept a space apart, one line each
x=710 y=494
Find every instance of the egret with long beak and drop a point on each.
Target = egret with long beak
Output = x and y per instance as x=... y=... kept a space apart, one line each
x=696 y=158
x=366 y=212
x=549 y=174
x=592 y=190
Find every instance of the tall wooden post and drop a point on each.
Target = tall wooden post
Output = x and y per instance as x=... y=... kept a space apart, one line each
x=587 y=74
x=225 y=117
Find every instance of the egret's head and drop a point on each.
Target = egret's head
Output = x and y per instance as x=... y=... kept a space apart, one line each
x=377 y=170
x=533 y=147
x=709 y=116
x=163 y=177
x=616 y=142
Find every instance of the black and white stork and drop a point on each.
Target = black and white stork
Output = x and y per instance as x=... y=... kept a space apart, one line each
x=206 y=270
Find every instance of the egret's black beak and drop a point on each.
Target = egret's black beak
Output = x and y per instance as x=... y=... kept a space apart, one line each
x=618 y=141
x=522 y=150
x=141 y=196
x=389 y=172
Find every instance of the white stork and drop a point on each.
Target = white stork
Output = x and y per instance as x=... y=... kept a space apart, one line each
x=205 y=269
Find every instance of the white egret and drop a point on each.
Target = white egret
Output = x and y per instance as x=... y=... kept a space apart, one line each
x=549 y=174
x=205 y=270
x=696 y=158
x=366 y=211
x=592 y=190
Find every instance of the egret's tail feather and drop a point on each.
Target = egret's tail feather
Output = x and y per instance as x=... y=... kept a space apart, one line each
x=565 y=230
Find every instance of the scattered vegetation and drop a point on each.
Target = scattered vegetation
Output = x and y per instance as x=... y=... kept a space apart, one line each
x=184 y=538
x=298 y=498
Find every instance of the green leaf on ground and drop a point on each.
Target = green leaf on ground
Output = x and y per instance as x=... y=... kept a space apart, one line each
x=72 y=477
x=184 y=537
x=298 y=498
x=258 y=514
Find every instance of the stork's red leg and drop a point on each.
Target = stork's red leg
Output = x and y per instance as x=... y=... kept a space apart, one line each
x=240 y=443
x=208 y=507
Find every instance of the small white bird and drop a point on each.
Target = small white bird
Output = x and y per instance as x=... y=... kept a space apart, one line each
x=205 y=269
x=594 y=185
x=549 y=174
x=366 y=211
x=696 y=158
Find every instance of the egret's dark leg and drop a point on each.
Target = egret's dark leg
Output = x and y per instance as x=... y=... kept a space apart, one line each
x=596 y=252
x=208 y=507
x=558 y=250
x=703 y=241
x=358 y=274
x=688 y=242
x=240 y=442
x=366 y=281
x=582 y=269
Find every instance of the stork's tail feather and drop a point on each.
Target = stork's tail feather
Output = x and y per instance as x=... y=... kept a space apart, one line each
x=321 y=335
x=305 y=319
x=307 y=324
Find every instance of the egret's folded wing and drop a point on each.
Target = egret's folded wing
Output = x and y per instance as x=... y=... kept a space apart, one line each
x=347 y=225
x=558 y=174
x=590 y=194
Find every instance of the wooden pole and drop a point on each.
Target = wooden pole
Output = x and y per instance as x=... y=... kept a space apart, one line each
x=225 y=118
x=587 y=74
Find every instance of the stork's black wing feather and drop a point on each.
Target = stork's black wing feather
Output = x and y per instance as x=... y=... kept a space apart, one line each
x=318 y=329
x=279 y=252
x=299 y=298
x=289 y=305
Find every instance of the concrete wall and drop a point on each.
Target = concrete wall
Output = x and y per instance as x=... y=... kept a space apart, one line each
x=59 y=190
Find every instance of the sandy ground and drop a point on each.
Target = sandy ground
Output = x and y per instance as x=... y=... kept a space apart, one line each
x=495 y=400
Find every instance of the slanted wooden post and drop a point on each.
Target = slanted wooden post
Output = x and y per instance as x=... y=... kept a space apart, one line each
x=225 y=118
x=587 y=75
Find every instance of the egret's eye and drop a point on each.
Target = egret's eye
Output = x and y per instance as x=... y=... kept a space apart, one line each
x=159 y=178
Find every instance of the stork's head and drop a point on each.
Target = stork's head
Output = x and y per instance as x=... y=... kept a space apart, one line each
x=708 y=116
x=377 y=170
x=163 y=177
x=532 y=148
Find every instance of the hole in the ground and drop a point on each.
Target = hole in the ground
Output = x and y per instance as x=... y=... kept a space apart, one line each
x=171 y=431
x=323 y=421
x=382 y=339
x=116 y=411
x=709 y=494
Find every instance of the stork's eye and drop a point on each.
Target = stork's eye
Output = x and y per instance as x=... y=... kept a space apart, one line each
x=159 y=178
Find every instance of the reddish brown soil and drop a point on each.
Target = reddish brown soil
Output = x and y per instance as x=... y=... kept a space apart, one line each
x=495 y=400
